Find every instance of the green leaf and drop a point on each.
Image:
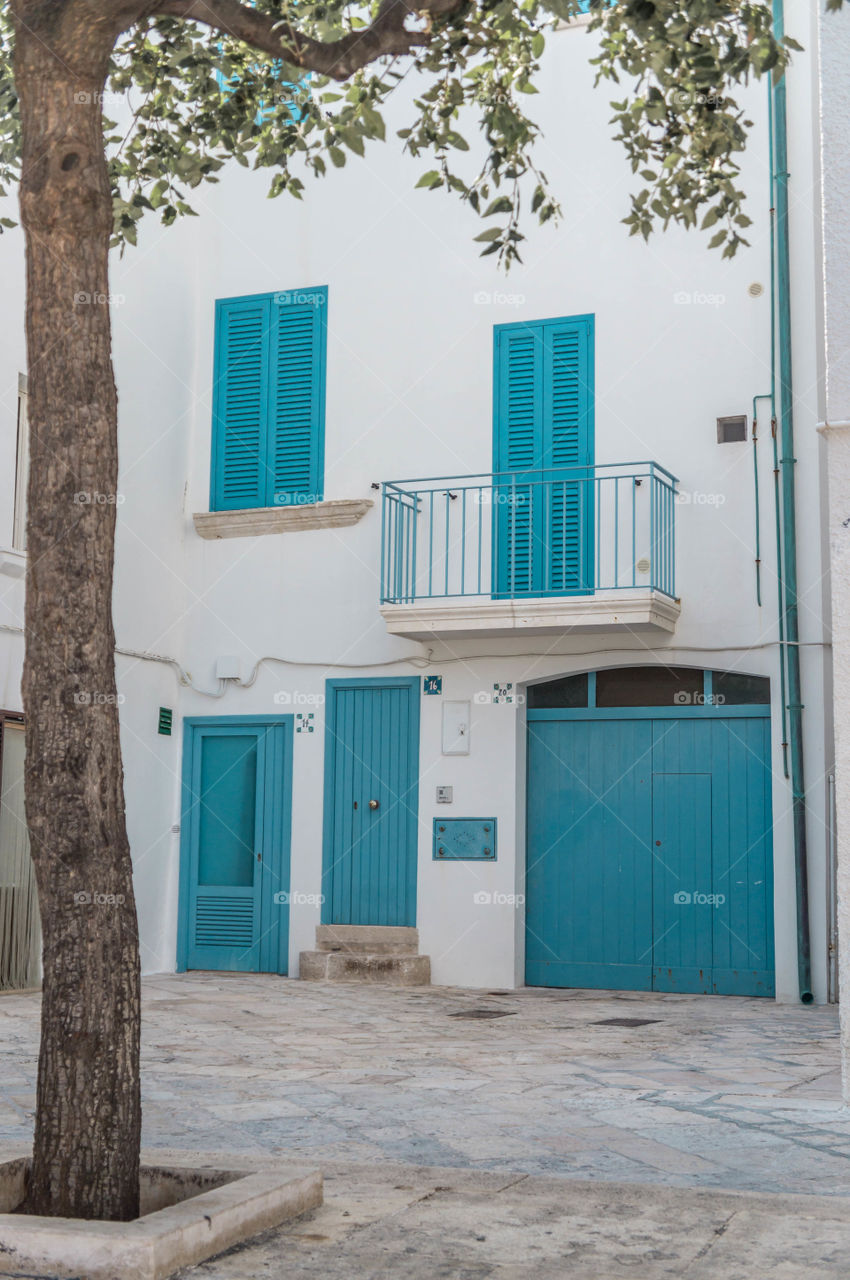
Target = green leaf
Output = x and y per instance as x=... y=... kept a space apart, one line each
x=500 y=205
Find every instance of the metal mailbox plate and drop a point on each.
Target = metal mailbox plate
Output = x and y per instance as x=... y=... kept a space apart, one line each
x=464 y=839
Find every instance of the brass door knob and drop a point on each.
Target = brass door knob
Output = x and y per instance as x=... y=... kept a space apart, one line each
x=373 y=804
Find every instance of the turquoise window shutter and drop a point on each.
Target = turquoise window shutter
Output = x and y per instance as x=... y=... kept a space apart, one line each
x=297 y=409
x=269 y=400
x=240 y=404
x=543 y=401
x=519 y=447
x=568 y=445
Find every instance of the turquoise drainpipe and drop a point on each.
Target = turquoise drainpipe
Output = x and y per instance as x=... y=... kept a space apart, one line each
x=771 y=396
x=789 y=611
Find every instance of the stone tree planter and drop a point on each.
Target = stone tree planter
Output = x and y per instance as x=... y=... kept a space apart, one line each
x=188 y=1214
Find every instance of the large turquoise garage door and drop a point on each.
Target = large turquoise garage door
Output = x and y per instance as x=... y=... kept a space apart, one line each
x=649 y=836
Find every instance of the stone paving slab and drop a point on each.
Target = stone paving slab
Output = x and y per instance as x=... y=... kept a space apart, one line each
x=482 y=1149
x=424 y=1223
x=714 y=1092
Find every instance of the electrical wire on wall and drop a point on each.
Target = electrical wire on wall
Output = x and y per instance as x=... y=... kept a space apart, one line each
x=421 y=661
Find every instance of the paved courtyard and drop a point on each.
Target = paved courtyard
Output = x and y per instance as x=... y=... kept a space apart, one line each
x=710 y=1091
x=482 y=1103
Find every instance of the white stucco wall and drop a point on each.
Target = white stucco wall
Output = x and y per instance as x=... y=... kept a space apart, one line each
x=409 y=394
x=834 y=415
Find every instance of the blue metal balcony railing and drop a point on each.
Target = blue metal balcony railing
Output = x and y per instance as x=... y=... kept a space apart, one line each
x=527 y=534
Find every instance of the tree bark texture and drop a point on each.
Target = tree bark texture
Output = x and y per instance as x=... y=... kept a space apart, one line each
x=88 y=1111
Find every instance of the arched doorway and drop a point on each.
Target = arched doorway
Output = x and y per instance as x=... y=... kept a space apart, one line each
x=649 y=851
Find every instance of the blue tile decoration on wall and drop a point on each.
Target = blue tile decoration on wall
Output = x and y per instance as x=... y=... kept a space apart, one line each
x=304 y=722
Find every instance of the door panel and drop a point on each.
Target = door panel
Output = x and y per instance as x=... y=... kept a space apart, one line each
x=743 y=858
x=682 y=881
x=371 y=755
x=589 y=869
x=228 y=817
x=235 y=851
x=623 y=816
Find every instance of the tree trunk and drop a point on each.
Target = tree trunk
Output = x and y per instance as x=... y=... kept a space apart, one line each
x=88 y=1116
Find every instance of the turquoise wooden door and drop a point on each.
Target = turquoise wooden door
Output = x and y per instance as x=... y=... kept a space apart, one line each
x=234 y=912
x=649 y=852
x=542 y=455
x=371 y=796
x=721 y=853
x=681 y=856
x=589 y=916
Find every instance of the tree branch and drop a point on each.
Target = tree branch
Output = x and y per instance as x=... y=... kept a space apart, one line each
x=387 y=35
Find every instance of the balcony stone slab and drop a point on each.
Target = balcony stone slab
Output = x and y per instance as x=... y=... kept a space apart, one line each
x=604 y=611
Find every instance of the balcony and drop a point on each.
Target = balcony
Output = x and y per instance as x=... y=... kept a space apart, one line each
x=573 y=549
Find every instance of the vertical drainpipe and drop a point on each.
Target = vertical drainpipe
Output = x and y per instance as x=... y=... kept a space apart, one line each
x=789 y=524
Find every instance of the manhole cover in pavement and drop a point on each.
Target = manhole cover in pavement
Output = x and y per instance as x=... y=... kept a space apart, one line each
x=626 y=1022
x=483 y=1013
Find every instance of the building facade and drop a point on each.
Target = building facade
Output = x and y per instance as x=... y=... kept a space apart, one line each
x=449 y=600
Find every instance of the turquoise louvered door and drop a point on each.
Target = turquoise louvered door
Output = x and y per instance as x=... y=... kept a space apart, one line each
x=268 y=401
x=240 y=405
x=544 y=523
x=297 y=398
x=235 y=851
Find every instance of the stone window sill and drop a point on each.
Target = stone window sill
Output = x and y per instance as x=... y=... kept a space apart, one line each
x=334 y=514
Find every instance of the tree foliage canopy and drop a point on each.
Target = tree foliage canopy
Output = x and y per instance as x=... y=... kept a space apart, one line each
x=297 y=86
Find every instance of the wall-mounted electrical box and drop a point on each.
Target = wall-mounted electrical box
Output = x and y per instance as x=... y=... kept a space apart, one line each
x=228 y=667
x=455 y=728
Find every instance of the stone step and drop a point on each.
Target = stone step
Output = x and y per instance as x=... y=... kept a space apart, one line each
x=368 y=939
x=346 y=966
